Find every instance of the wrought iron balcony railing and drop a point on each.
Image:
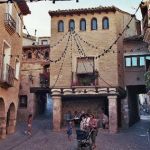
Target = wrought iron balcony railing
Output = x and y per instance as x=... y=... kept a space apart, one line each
x=84 y=80
x=44 y=79
x=7 y=77
x=9 y=22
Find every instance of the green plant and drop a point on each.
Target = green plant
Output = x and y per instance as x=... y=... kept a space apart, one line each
x=147 y=79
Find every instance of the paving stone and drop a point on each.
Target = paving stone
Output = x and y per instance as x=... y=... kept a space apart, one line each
x=135 y=138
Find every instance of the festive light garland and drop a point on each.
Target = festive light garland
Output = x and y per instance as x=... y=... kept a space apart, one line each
x=61 y=67
x=60 y=40
x=79 y=51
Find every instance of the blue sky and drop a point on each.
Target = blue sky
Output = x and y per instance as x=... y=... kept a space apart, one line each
x=39 y=18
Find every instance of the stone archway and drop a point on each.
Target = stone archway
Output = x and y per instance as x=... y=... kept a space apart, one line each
x=11 y=119
x=2 y=119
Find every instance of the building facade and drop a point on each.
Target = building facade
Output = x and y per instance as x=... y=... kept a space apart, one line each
x=145 y=9
x=135 y=57
x=34 y=74
x=10 y=59
x=88 y=71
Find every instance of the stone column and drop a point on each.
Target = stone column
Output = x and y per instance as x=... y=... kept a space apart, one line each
x=113 y=116
x=2 y=128
x=12 y=123
x=125 y=113
x=57 y=112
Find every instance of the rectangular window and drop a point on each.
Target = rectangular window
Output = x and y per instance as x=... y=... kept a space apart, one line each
x=6 y=59
x=142 y=61
x=44 y=42
x=23 y=101
x=85 y=65
x=148 y=57
x=134 y=61
x=18 y=25
x=17 y=69
x=9 y=8
x=128 y=61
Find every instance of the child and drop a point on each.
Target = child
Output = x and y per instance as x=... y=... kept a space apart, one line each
x=69 y=130
x=29 y=122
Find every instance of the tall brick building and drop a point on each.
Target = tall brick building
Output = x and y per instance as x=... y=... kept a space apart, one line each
x=87 y=77
x=34 y=75
x=10 y=58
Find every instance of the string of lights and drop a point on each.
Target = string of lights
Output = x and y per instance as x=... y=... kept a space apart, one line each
x=53 y=1
x=71 y=49
x=79 y=51
x=113 y=43
x=61 y=67
x=59 y=41
x=19 y=14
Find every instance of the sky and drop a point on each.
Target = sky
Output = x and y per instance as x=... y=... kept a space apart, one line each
x=39 y=18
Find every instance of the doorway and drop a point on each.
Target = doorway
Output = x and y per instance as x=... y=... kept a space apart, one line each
x=44 y=110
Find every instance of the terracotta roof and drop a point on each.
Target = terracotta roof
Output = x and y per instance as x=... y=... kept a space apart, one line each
x=86 y=10
x=23 y=7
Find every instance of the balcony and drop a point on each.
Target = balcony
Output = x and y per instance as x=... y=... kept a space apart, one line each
x=44 y=80
x=7 y=77
x=10 y=23
x=85 y=79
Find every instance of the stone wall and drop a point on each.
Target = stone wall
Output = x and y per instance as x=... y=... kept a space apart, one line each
x=14 y=41
x=107 y=65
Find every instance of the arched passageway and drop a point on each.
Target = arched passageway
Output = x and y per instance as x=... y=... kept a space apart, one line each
x=11 y=119
x=2 y=119
x=134 y=103
x=43 y=110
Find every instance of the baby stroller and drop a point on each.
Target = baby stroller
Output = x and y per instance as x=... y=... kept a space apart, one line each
x=83 y=139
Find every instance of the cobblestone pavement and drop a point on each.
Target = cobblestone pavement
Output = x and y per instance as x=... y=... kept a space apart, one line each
x=43 y=138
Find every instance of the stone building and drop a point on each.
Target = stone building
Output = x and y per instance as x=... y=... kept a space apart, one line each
x=28 y=40
x=88 y=73
x=145 y=10
x=34 y=74
x=135 y=56
x=11 y=15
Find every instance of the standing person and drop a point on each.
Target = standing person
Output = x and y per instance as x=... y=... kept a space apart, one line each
x=105 y=121
x=69 y=130
x=94 y=129
x=29 y=123
x=76 y=120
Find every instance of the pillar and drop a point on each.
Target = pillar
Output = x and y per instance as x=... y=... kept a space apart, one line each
x=113 y=116
x=57 y=112
x=125 y=113
x=12 y=123
x=2 y=128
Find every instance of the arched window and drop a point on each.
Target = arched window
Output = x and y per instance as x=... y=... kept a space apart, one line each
x=83 y=25
x=71 y=25
x=94 y=24
x=29 y=55
x=46 y=55
x=60 y=26
x=105 y=23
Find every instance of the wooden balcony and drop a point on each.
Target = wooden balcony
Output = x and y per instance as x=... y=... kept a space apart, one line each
x=44 y=79
x=7 y=77
x=10 y=23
